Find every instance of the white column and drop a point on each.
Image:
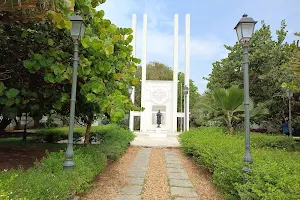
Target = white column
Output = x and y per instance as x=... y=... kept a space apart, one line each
x=187 y=68
x=144 y=64
x=133 y=43
x=175 y=73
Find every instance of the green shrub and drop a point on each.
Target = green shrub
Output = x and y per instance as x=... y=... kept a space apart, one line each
x=46 y=180
x=109 y=131
x=273 y=141
x=274 y=173
x=61 y=133
x=114 y=140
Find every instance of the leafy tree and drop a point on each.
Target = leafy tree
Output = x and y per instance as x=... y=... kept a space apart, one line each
x=295 y=59
x=226 y=105
x=106 y=66
x=265 y=74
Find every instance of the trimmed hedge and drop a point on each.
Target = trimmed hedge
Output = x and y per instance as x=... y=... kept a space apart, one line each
x=274 y=174
x=46 y=180
x=61 y=133
x=273 y=141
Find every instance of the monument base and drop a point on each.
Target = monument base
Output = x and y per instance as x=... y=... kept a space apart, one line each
x=158 y=130
x=158 y=134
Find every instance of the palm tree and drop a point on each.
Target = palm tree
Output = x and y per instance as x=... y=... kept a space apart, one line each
x=227 y=105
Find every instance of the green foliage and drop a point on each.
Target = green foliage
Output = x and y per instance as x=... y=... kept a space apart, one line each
x=108 y=132
x=273 y=141
x=266 y=56
x=44 y=64
x=47 y=180
x=273 y=173
x=60 y=133
x=226 y=105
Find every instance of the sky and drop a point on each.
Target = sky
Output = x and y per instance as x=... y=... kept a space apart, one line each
x=212 y=24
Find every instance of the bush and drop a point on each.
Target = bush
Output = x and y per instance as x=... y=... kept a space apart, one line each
x=274 y=171
x=61 y=133
x=46 y=180
x=273 y=141
x=113 y=140
x=109 y=131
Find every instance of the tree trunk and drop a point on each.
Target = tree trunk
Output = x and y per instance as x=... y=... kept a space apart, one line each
x=17 y=123
x=4 y=123
x=87 y=132
x=229 y=123
x=64 y=120
x=25 y=128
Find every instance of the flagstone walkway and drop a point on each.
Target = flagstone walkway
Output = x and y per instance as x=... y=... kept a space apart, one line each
x=153 y=174
x=136 y=177
x=181 y=187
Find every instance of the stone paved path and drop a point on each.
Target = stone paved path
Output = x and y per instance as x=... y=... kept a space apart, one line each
x=180 y=186
x=136 y=177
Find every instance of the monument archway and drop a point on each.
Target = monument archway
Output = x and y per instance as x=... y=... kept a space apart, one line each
x=161 y=95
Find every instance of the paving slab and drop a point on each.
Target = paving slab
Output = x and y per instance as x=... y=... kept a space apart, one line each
x=178 y=175
x=124 y=197
x=132 y=190
x=139 y=165
x=173 y=162
x=183 y=192
x=176 y=170
x=171 y=157
x=137 y=174
x=179 y=166
x=170 y=153
x=136 y=181
x=138 y=168
x=180 y=183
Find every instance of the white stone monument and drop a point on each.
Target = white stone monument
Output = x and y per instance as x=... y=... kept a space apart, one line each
x=157 y=94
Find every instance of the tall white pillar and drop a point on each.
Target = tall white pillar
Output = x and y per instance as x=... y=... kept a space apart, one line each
x=144 y=69
x=187 y=69
x=133 y=43
x=175 y=73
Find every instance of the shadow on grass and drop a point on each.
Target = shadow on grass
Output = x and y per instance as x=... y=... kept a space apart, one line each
x=16 y=153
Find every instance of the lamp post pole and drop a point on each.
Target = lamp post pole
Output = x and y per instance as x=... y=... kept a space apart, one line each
x=244 y=30
x=289 y=94
x=130 y=89
x=186 y=118
x=247 y=156
x=69 y=164
x=290 y=117
x=181 y=118
x=77 y=31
